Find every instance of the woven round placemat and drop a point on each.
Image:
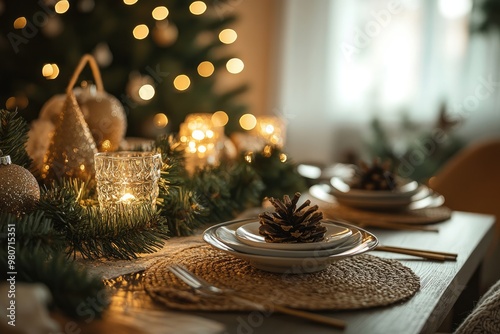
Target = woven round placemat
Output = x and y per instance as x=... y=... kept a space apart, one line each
x=358 y=282
x=419 y=216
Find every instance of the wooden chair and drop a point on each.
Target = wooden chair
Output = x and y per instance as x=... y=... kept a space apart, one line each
x=470 y=181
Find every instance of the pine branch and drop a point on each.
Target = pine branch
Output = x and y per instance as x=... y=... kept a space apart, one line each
x=72 y=288
x=13 y=138
x=277 y=171
x=33 y=233
x=123 y=234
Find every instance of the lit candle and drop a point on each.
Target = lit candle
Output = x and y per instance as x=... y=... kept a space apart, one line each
x=127 y=178
x=202 y=140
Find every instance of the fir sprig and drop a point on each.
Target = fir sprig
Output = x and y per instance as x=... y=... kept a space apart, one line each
x=13 y=138
x=33 y=233
x=69 y=283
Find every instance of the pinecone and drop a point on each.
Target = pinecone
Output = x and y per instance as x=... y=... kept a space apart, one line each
x=378 y=176
x=290 y=224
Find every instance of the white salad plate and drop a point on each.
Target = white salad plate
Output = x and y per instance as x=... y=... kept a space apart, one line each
x=227 y=235
x=292 y=265
x=249 y=234
x=405 y=190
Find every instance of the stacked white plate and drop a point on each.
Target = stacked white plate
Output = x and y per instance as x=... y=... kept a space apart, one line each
x=241 y=239
x=409 y=195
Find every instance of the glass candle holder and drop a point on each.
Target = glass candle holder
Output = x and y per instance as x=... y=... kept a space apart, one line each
x=202 y=139
x=127 y=178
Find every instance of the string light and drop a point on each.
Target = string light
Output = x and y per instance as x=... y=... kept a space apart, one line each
x=129 y=2
x=235 y=65
x=20 y=22
x=160 y=120
x=146 y=92
x=182 y=82
x=220 y=118
x=141 y=31
x=228 y=36
x=61 y=6
x=206 y=69
x=248 y=122
x=160 y=13
x=197 y=8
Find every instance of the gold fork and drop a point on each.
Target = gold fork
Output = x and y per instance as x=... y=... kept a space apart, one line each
x=207 y=289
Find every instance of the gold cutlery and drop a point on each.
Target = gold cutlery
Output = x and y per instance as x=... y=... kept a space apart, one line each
x=431 y=255
x=207 y=289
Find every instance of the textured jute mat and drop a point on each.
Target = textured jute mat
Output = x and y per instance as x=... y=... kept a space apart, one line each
x=359 y=282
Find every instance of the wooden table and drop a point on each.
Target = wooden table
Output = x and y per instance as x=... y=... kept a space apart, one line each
x=467 y=234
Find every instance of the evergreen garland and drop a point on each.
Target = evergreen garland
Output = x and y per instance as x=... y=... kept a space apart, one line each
x=13 y=138
x=67 y=218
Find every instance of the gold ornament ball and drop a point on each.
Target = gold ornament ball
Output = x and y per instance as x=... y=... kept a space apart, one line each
x=19 y=190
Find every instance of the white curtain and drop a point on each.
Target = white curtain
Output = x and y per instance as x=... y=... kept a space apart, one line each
x=346 y=62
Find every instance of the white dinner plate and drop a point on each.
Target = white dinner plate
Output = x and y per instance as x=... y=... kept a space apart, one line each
x=406 y=189
x=292 y=265
x=249 y=234
x=424 y=198
x=227 y=235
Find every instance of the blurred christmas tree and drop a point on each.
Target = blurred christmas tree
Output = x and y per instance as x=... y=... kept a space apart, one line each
x=160 y=58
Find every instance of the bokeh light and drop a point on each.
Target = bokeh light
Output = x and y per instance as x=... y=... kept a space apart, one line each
x=129 y=2
x=206 y=69
x=141 y=31
x=248 y=122
x=197 y=8
x=146 y=92
x=20 y=22
x=235 y=65
x=182 y=82
x=220 y=118
x=160 y=13
x=228 y=36
x=50 y=71
x=61 y=7
x=160 y=120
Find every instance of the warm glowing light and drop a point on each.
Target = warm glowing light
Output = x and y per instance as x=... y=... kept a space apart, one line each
x=198 y=135
x=206 y=69
x=197 y=8
x=50 y=71
x=235 y=65
x=20 y=22
x=210 y=134
x=249 y=157
x=61 y=7
x=160 y=120
x=106 y=145
x=202 y=148
x=269 y=129
x=248 y=122
x=220 y=118
x=228 y=36
x=283 y=157
x=129 y=2
x=127 y=198
x=141 y=31
x=182 y=82
x=82 y=167
x=146 y=92
x=160 y=13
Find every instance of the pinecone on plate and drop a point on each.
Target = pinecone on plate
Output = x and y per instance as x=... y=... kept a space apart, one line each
x=378 y=176
x=290 y=224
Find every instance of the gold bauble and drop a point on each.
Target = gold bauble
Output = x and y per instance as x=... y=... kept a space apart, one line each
x=19 y=190
x=72 y=147
x=105 y=117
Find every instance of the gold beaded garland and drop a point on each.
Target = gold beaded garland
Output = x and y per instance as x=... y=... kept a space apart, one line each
x=19 y=190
